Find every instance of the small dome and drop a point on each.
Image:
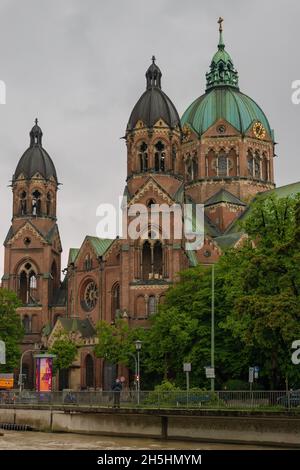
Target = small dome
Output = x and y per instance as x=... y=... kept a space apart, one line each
x=35 y=159
x=225 y=103
x=154 y=104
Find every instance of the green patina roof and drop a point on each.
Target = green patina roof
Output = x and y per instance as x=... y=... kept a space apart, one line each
x=222 y=99
x=100 y=245
x=75 y=324
x=72 y=255
x=226 y=103
x=222 y=71
x=224 y=196
x=228 y=241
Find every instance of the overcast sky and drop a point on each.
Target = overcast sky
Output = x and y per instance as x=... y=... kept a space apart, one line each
x=79 y=65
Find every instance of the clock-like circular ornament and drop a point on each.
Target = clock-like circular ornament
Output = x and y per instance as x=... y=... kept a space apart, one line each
x=258 y=130
x=221 y=129
x=90 y=295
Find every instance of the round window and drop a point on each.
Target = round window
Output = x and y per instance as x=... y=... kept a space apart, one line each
x=90 y=296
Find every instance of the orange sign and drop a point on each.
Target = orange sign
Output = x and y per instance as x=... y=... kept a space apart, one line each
x=6 y=381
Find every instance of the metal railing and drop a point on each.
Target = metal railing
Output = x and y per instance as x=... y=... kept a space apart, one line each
x=281 y=400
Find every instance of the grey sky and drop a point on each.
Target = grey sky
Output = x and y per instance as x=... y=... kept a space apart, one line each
x=79 y=66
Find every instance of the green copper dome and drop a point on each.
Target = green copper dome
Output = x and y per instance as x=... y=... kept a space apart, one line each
x=224 y=103
x=223 y=99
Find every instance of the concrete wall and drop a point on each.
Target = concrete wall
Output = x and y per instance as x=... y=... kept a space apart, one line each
x=275 y=429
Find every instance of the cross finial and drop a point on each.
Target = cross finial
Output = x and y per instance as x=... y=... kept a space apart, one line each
x=153 y=59
x=36 y=121
x=220 y=21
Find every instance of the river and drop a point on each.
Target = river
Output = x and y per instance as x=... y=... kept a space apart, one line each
x=14 y=440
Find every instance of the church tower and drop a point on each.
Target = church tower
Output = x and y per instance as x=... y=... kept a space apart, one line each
x=32 y=247
x=155 y=176
x=228 y=144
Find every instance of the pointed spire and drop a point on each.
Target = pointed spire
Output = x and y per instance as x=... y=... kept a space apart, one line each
x=36 y=134
x=222 y=71
x=221 y=44
x=153 y=75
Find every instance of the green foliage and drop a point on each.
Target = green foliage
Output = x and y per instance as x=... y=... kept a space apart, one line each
x=262 y=283
x=257 y=309
x=65 y=351
x=11 y=330
x=116 y=342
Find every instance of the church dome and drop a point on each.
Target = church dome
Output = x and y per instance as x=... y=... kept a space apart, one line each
x=35 y=159
x=226 y=103
x=223 y=99
x=154 y=104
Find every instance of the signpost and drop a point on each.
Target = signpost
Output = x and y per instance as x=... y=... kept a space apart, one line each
x=210 y=372
x=187 y=367
x=2 y=352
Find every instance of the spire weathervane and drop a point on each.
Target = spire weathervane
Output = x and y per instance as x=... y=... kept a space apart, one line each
x=153 y=59
x=220 y=21
x=36 y=121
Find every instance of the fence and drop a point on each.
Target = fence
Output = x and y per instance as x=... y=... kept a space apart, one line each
x=152 y=399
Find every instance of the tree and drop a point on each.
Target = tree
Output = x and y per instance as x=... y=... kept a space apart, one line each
x=65 y=351
x=116 y=341
x=11 y=330
x=262 y=283
x=181 y=331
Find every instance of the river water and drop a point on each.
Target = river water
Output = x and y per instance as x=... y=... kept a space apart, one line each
x=14 y=440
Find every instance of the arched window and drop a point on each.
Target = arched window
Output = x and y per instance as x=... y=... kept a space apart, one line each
x=89 y=371
x=88 y=263
x=222 y=165
x=26 y=324
x=147 y=263
x=36 y=203
x=159 y=156
x=265 y=168
x=151 y=305
x=140 y=306
x=150 y=203
x=194 y=168
x=23 y=203
x=250 y=163
x=49 y=204
x=158 y=259
x=257 y=165
x=174 y=154
x=28 y=291
x=53 y=281
x=143 y=155
x=115 y=301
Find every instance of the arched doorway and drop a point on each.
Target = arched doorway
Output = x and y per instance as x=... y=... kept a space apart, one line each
x=63 y=379
x=109 y=375
x=89 y=371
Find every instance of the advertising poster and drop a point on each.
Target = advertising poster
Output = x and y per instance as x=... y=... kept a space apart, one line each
x=44 y=374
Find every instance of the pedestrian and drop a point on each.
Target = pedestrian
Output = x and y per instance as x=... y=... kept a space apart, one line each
x=117 y=388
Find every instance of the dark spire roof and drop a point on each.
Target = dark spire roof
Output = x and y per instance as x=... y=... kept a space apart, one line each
x=154 y=104
x=35 y=159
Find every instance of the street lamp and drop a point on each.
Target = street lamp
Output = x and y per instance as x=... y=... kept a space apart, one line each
x=138 y=347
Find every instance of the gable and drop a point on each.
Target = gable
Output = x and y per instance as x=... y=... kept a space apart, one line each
x=27 y=231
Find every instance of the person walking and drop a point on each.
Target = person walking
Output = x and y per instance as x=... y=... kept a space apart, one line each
x=117 y=388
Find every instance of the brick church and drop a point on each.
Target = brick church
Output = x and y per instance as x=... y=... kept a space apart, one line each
x=220 y=153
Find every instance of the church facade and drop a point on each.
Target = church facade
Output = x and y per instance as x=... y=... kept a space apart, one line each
x=220 y=154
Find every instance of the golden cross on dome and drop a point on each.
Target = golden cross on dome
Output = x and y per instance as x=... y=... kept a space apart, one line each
x=220 y=21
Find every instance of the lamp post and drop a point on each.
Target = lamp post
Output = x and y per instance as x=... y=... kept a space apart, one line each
x=138 y=347
x=213 y=327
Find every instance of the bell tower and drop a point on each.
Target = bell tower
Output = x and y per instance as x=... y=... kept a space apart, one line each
x=33 y=249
